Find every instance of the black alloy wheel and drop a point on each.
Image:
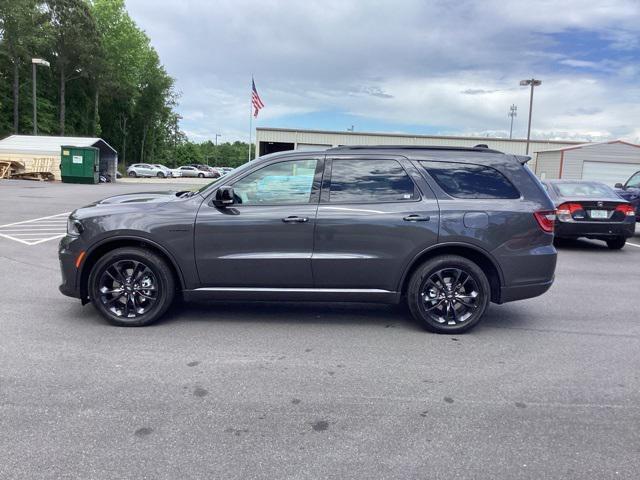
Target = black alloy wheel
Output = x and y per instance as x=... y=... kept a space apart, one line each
x=448 y=294
x=131 y=286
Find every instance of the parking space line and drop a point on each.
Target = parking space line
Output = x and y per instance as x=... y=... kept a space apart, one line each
x=633 y=244
x=37 y=230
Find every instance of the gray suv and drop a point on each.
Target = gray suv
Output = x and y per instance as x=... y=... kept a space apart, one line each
x=446 y=230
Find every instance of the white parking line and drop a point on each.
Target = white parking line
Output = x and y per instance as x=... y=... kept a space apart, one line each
x=37 y=230
x=633 y=244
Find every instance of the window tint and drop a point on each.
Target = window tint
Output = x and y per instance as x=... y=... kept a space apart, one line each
x=463 y=180
x=634 y=181
x=284 y=182
x=370 y=181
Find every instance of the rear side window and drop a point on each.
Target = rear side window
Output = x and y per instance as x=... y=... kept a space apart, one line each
x=463 y=180
x=370 y=181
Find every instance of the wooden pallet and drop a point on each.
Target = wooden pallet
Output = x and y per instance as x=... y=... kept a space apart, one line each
x=38 y=176
x=10 y=167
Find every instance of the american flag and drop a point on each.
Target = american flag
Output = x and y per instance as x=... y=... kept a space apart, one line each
x=255 y=99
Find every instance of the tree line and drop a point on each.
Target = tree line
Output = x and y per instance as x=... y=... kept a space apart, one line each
x=105 y=80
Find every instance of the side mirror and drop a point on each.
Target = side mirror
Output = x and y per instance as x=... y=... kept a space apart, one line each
x=619 y=185
x=224 y=197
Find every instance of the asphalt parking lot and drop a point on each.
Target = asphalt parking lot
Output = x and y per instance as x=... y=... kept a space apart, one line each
x=543 y=388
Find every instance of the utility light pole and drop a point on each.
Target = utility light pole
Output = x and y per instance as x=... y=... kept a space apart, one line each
x=215 y=158
x=513 y=112
x=534 y=83
x=34 y=63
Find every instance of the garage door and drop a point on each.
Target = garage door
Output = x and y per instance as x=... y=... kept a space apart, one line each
x=607 y=172
x=311 y=147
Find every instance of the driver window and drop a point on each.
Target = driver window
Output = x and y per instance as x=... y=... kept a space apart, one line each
x=634 y=181
x=279 y=183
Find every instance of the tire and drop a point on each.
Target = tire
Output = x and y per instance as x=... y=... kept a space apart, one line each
x=160 y=175
x=132 y=174
x=447 y=313
x=616 y=243
x=201 y=175
x=130 y=304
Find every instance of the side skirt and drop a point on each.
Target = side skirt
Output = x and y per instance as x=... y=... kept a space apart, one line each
x=293 y=294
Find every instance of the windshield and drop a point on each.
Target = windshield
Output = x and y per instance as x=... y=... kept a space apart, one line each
x=583 y=189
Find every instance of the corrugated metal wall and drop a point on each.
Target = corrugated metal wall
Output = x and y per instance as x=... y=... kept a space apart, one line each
x=548 y=164
x=610 y=152
x=321 y=138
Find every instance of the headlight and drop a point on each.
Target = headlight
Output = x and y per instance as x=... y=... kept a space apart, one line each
x=74 y=227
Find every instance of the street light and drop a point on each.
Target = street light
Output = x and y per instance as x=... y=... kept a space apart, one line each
x=534 y=83
x=34 y=63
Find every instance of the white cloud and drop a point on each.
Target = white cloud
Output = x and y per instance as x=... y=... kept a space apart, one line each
x=454 y=66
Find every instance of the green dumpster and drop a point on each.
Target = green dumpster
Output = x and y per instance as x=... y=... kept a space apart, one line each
x=80 y=164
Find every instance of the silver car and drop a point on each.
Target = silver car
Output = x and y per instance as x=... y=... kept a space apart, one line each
x=147 y=170
x=189 y=171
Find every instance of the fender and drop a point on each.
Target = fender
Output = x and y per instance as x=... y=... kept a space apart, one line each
x=442 y=246
x=135 y=238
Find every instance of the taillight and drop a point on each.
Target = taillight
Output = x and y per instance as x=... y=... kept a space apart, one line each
x=546 y=219
x=568 y=211
x=626 y=209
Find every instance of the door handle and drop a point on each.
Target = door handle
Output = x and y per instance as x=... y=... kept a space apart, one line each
x=295 y=219
x=417 y=218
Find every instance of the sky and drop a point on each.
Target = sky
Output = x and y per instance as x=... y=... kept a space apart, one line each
x=410 y=66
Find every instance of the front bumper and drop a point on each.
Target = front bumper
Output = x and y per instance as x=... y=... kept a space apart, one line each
x=68 y=251
x=595 y=229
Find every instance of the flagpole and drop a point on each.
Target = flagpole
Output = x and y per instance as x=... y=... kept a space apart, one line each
x=250 y=117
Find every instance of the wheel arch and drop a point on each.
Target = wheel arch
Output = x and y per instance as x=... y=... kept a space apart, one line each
x=477 y=255
x=112 y=243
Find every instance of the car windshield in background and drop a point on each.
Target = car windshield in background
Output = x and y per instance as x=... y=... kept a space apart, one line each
x=583 y=189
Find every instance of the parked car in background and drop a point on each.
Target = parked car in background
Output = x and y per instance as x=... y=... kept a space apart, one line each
x=447 y=230
x=191 y=171
x=225 y=170
x=630 y=191
x=147 y=170
x=591 y=210
x=208 y=171
x=166 y=170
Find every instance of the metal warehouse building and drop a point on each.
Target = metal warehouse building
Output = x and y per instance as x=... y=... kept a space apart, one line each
x=270 y=140
x=608 y=162
x=43 y=152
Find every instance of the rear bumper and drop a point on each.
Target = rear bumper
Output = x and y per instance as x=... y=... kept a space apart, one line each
x=520 y=292
x=595 y=229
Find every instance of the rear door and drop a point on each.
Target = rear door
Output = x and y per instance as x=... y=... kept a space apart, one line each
x=376 y=214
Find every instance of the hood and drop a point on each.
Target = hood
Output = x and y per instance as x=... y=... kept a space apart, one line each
x=142 y=197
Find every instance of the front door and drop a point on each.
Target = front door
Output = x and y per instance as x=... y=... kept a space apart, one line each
x=375 y=215
x=265 y=239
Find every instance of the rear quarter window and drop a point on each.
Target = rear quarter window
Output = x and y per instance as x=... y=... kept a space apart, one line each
x=464 y=180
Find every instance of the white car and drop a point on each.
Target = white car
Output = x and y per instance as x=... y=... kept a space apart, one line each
x=147 y=170
x=167 y=171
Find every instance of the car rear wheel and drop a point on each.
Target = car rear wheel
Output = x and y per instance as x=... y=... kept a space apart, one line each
x=160 y=175
x=616 y=243
x=201 y=175
x=448 y=294
x=132 y=174
x=131 y=287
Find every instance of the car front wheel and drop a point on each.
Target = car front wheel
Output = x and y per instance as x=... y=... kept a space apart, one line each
x=616 y=243
x=132 y=174
x=131 y=286
x=448 y=294
x=160 y=175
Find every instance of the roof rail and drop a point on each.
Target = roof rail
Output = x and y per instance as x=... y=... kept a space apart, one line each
x=477 y=148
